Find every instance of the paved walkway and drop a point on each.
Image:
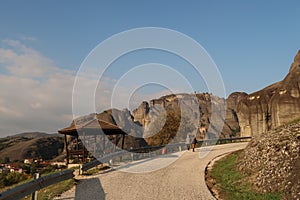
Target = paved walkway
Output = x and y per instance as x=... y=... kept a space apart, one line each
x=182 y=178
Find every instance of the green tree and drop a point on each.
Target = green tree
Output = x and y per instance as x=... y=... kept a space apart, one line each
x=6 y=160
x=11 y=178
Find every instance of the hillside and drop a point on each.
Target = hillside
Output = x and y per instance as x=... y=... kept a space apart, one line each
x=19 y=147
x=35 y=135
x=273 y=161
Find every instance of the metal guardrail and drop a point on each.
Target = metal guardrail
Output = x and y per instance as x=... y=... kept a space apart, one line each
x=104 y=159
x=223 y=140
x=25 y=189
x=206 y=142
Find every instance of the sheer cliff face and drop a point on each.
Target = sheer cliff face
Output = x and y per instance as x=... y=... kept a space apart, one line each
x=231 y=127
x=272 y=106
x=200 y=115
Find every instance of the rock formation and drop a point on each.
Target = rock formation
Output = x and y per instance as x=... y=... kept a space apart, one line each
x=198 y=109
x=272 y=106
x=231 y=127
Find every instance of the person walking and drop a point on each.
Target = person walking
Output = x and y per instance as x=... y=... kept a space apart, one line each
x=188 y=142
x=194 y=142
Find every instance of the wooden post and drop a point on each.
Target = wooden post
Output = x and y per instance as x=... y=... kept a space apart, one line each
x=103 y=148
x=34 y=194
x=83 y=146
x=115 y=143
x=77 y=145
x=95 y=147
x=131 y=154
x=123 y=140
x=67 y=150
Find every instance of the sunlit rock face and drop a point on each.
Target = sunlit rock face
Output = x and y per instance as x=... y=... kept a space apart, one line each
x=272 y=106
x=198 y=109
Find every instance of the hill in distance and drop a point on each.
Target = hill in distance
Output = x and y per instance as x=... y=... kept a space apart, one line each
x=31 y=145
x=33 y=135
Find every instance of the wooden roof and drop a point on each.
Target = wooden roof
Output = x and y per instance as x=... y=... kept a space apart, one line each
x=92 y=127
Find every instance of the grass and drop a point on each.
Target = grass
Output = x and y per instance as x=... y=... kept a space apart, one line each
x=54 y=190
x=293 y=121
x=231 y=184
x=95 y=170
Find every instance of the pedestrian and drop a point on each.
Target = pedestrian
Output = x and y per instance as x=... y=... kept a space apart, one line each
x=188 y=142
x=194 y=142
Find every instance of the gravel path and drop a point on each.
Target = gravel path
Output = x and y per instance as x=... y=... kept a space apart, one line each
x=182 y=179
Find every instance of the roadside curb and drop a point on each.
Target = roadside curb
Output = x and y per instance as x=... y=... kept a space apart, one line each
x=208 y=168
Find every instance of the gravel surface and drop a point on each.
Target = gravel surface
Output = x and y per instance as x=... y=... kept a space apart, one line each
x=182 y=179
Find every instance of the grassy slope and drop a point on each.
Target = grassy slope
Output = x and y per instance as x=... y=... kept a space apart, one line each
x=232 y=185
x=19 y=148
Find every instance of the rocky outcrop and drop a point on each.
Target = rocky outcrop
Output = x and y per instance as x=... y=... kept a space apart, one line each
x=273 y=161
x=169 y=118
x=140 y=114
x=232 y=127
x=272 y=106
x=198 y=109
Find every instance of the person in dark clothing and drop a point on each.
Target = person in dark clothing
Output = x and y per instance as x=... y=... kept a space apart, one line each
x=194 y=142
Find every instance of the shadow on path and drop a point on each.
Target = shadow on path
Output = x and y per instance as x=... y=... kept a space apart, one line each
x=89 y=189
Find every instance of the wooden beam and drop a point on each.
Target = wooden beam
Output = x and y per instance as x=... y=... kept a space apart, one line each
x=115 y=143
x=123 y=140
x=77 y=145
x=95 y=146
x=83 y=146
x=103 y=148
x=67 y=150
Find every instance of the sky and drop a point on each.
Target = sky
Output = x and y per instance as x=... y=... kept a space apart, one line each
x=44 y=44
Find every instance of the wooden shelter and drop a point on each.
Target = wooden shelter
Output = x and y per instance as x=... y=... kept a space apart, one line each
x=92 y=128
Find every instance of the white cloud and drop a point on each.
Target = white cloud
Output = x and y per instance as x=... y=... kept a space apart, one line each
x=36 y=105
x=22 y=61
x=36 y=95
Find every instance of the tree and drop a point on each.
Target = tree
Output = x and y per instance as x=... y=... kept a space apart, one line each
x=6 y=160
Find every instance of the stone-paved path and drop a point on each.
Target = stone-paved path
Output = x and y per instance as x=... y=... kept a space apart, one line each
x=182 y=179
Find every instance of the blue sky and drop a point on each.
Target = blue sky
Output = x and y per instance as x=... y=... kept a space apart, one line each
x=252 y=43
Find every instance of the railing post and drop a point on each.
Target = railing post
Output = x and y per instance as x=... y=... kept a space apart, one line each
x=34 y=194
x=131 y=154
x=80 y=169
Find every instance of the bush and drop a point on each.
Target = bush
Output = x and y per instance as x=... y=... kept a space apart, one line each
x=8 y=179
